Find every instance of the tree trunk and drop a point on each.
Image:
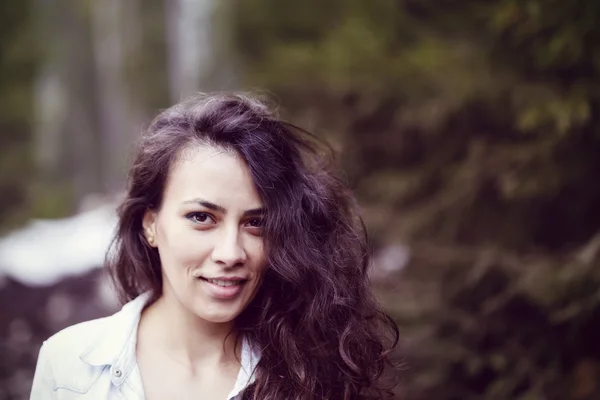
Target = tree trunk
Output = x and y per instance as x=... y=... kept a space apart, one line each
x=115 y=30
x=190 y=42
x=64 y=130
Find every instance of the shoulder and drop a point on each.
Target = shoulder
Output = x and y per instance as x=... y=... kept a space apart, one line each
x=60 y=365
x=75 y=357
x=97 y=341
x=76 y=339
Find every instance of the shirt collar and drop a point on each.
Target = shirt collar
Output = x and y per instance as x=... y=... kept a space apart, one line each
x=119 y=328
x=249 y=359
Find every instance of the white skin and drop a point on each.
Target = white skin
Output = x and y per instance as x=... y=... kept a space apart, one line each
x=208 y=226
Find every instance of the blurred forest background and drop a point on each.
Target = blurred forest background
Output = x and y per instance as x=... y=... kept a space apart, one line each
x=470 y=131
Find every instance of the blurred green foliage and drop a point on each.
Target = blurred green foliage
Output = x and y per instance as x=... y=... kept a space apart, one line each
x=48 y=56
x=471 y=131
x=17 y=61
x=457 y=100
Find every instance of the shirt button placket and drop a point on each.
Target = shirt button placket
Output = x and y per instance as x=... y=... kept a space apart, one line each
x=117 y=376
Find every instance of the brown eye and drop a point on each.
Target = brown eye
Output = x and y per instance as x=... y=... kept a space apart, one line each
x=200 y=218
x=255 y=223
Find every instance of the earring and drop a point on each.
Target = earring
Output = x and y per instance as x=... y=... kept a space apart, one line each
x=149 y=238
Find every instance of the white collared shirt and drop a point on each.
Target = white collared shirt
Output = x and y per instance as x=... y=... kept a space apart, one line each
x=95 y=360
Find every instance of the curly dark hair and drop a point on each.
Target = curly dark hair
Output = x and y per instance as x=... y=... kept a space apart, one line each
x=322 y=333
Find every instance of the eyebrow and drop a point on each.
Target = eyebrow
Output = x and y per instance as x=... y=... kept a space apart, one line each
x=212 y=206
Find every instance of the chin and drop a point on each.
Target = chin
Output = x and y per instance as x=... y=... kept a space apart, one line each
x=217 y=318
x=213 y=314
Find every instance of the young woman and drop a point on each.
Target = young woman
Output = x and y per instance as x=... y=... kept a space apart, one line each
x=243 y=264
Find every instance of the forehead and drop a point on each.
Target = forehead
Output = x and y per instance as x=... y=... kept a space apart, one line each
x=214 y=174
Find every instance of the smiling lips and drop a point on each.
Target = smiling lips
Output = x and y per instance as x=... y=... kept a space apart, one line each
x=223 y=288
x=225 y=283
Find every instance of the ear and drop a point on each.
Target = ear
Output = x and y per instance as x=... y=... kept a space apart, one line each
x=149 y=227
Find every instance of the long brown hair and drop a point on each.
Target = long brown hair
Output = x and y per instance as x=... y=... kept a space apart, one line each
x=322 y=333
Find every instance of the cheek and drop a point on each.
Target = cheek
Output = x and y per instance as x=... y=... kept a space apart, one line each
x=181 y=246
x=257 y=253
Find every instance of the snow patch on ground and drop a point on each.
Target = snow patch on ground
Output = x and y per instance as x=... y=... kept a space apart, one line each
x=45 y=251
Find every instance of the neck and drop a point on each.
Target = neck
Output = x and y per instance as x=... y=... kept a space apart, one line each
x=186 y=337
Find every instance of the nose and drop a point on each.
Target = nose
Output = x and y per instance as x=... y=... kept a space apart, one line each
x=228 y=251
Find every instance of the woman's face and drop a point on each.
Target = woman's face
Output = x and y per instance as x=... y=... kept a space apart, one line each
x=208 y=232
